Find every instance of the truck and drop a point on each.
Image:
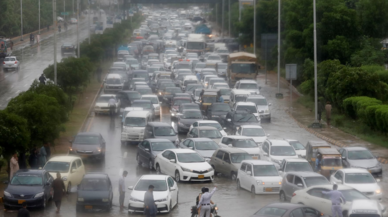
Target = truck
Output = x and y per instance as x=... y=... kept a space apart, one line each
x=203 y=29
x=5 y=47
x=241 y=65
x=196 y=43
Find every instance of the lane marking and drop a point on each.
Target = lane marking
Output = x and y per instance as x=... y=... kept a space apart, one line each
x=90 y=124
x=125 y=155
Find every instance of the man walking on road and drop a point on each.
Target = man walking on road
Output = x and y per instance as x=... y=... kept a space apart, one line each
x=335 y=197
x=14 y=166
x=122 y=189
x=23 y=212
x=204 y=202
x=42 y=79
x=112 y=106
x=150 y=208
x=328 y=113
x=42 y=156
x=59 y=190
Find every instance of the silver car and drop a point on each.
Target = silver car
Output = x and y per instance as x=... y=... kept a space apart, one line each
x=203 y=146
x=11 y=62
x=228 y=160
x=294 y=181
x=360 y=157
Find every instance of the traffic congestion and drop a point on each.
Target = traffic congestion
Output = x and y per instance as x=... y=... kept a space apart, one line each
x=185 y=111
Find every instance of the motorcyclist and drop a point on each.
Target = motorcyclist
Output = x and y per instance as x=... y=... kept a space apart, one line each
x=31 y=37
x=203 y=190
x=112 y=106
x=42 y=79
x=59 y=28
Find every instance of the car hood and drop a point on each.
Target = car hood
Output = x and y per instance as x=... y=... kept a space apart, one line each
x=369 y=163
x=93 y=194
x=139 y=195
x=205 y=153
x=364 y=187
x=262 y=108
x=84 y=147
x=171 y=138
x=25 y=190
x=260 y=139
x=301 y=152
x=251 y=150
x=196 y=166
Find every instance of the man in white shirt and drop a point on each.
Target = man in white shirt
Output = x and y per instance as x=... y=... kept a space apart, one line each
x=112 y=105
x=205 y=201
x=122 y=189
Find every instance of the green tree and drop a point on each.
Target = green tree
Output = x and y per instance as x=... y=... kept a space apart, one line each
x=373 y=17
x=369 y=54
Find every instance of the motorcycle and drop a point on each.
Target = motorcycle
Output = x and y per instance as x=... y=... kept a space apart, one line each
x=213 y=211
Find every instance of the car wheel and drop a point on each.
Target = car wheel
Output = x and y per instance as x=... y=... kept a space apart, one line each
x=138 y=160
x=345 y=213
x=150 y=165
x=69 y=188
x=177 y=176
x=238 y=185
x=158 y=171
x=282 y=196
x=234 y=176
x=169 y=210
x=253 y=190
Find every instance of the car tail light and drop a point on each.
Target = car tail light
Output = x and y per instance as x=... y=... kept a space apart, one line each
x=16 y=62
x=4 y=63
x=293 y=194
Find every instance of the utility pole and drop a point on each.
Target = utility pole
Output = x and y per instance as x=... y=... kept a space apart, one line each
x=229 y=18
x=21 y=19
x=216 y=14
x=39 y=16
x=315 y=63
x=223 y=7
x=73 y=7
x=55 y=39
x=78 y=29
x=239 y=11
x=89 y=19
x=254 y=26
x=279 y=36
x=64 y=11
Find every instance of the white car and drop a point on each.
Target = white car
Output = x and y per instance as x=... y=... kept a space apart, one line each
x=277 y=150
x=72 y=169
x=165 y=193
x=253 y=131
x=209 y=123
x=184 y=165
x=259 y=177
x=155 y=102
x=249 y=107
x=359 y=179
x=365 y=208
x=11 y=62
x=241 y=142
x=262 y=106
x=102 y=104
x=214 y=58
x=298 y=147
x=73 y=21
x=314 y=198
x=249 y=85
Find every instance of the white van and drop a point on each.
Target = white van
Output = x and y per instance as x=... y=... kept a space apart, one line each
x=134 y=125
x=238 y=96
x=113 y=83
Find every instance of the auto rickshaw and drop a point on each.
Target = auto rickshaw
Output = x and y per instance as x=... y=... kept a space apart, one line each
x=207 y=99
x=330 y=162
x=311 y=150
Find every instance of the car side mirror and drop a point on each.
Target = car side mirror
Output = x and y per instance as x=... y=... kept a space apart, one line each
x=172 y=160
x=172 y=189
x=230 y=145
x=73 y=171
x=249 y=173
x=266 y=154
x=130 y=188
x=343 y=158
x=300 y=185
x=147 y=150
x=228 y=120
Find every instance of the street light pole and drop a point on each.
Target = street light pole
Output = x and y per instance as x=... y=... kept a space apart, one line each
x=223 y=7
x=73 y=7
x=39 y=16
x=89 y=19
x=64 y=10
x=229 y=18
x=21 y=19
x=279 y=23
x=78 y=29
x=239 y=11
x=315 y=63
x=55 y=39
x=254 y=26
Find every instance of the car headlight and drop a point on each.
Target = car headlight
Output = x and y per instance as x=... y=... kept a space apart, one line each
x=259 y=182
x=211 y=168
x=161 y=200
x=134 y=199
x=378 y=191
x=7 y=194
x=39 y=195
x=186 y=170
x=105 y=200
x=64 y=178
x=99 y=149
x=80 y=199
x=160 y=93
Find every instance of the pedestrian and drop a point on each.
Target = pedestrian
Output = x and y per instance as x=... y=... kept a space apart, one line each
x=328 y=113
x=48 y=150
x=112 y=106
x=59 y=190
x=33 y=159
x=318 y=160
x=150 y=208
x=14 y=165
x=204 y=202
x=98 y=73
x=42 y=79
x=42 y=156
x=11 y=45
x=335 y=197
x=122 y=189
x=199 y=76
x=320 y=109
x=23 y=212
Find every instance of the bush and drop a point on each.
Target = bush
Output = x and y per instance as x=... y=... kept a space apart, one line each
x=370 y=116
x=383 y=75
x=355 y=107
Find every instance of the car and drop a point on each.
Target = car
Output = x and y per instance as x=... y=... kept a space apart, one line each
x=87 y=144
x=126 y=97
x=113 y=83
x=72 y=169
x=169 y=92
x=33 y=187
x=287 y=210
x=183 y=107
x=253 y=131
x=248 y=85
x=249 y=107
x=263 y=107
x=217 y=112
x=214 y=58
x=11 y=62
x=294 y=181
x=73 y=20
x=221 y=69
x=294 y=165
x=102 y=104
x=203 y=146
x=94 y=192
x=276 y=150
x=145 y=90
x=219 y=86
x=367 y=208
x=205 y=132
x=147 y=105
x=134 y=126
x=124 y=113
x=235 y=119
x=176 y=101
x=184 y=165
x=68 y=48
x=161 y=130
x=228 y=161
x=155 y=102
x=298 y=147
x=133 y=63
x=188 y=117
x=148 y=149
x=209 y=123
x=165 y=193
x=259 y=177
x=241 y=142
x=190 y=87
x=359 y=179
x=313 y=197
x=360 y=157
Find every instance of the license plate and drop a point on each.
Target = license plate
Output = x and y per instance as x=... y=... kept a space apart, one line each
x=268 y=189
x=88 y=207
x=369 y=171
x=21 y=201
x=201 y=176
x=255 y=157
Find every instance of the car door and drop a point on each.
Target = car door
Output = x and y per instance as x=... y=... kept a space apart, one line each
x=298 y=212
x=171 y=165
x=249 y=180
x=103 y=144
x=47 y=182
x=80 y=171
x=264 y=154
x=217 y=161
x=147 y=152
x=226 y=164
x=163 y=162
x=298 y=183
x=288 y=186
x=344 y=156
x=191 y=145
x=173 y=190
x=318 y=201
x=72 y=177
x=241 y=174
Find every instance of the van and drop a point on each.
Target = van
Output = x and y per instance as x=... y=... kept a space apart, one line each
x=161 y=130
x=238 y=96
x=134 y=125
x=113 y=83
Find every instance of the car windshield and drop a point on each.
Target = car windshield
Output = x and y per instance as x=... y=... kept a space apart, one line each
x=245 y=118
x=180 y=101
x=222 y=66
x=215 y=125
x=56 y=166
x=214 y=58
x=360 y=155
x=298 y=166
x=297 y=145
x=352 y=194
x=200 y=65
x=94 y=184
x=192 y=87
x=27 y=179
x=135 y=122
x=271 y=211
x=312 y=181
x=206 y=145
x=164 y=131
x=161 y=146
x=238 y=157
x=244 y=143
x=173 y=90
x=258 y=101
x=359 y=178
x=183 y=66
x=144 y=91
x=212 y=134
x=190 y=158
x=195 y=45
x=255 y=132
x=9 y=59
x=154 y=100
x=192 y=115
x=209 y=99
x=143 y=184
x=132 y=62
x=282 y=151
x=113 y=81
x=145 y=105
x=240 y=98
x=134 y=95
x=247 y=108
x=265 y=170
x=103 y=99
x=220 y=107
x=86 y=139
x=331 y=162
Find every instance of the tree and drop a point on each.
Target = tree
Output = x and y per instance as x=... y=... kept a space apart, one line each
x=373 y=17
x=369 y=54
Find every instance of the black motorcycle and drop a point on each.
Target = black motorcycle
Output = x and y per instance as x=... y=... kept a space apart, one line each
x=213 y=211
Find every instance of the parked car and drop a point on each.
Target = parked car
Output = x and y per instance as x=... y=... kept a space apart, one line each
x=287 y=210
x=148 y=149
x=228 y=161
x=86 y=144
x=360 y=157
x=11 y=62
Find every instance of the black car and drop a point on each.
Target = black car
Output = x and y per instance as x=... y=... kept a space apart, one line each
x=94 y=192
x=287 y=210
x=185 y=106
x=235 y=119
x=160 y=130
x=127 y=97
x=188 y=117
x=217 y=111
x=32 y=187
x=149 y=148
x=67 y=48
x=169 y=93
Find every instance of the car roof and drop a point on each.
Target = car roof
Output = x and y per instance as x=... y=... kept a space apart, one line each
x=278 y=142
x=355 y=148
x=64 y=158
x=256 y=96
x=295 y=160
x=200 y=139
x=149 y=95
x=190 y=110
x=133 y=109
x=205 y=127
x=108 y=95
x=207 y=121
x=305 y=174
x=239 y=91
x=237 y=137
x=354 y=170
x=246 y=103
x=182 y=150
x=157 y=140
x=155 y=177
x=248 y=81
x=30 y=171
x=143 y=114
x=258 y=162
x=113 y=75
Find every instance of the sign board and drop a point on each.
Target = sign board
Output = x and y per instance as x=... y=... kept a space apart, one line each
x=291 y=71
x=65 y=13
x=268 y=43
